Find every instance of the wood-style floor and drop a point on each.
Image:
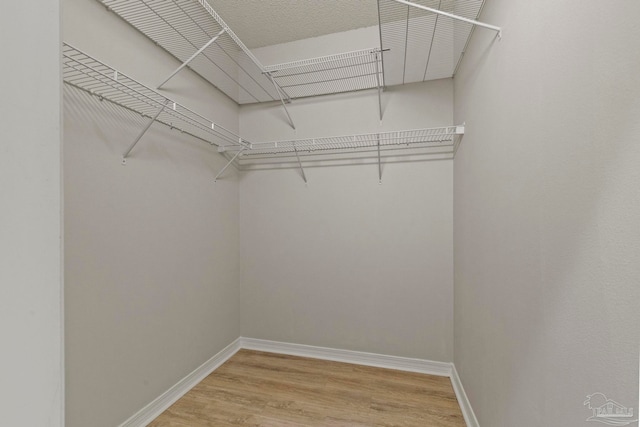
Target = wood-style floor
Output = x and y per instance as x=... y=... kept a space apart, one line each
x=274 y=390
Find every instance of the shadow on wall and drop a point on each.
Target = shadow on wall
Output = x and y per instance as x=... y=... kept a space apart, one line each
x=548 y=208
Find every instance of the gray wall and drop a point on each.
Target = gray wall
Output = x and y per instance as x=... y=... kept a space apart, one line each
x=547 y=191
x=344 y=262
x=31 y=372
x=347 y=263
x=151 y=248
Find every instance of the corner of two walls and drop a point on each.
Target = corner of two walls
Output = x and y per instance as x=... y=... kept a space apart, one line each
x=546 y=192
x=343 y=261
x=151 y=248
x=155 y=250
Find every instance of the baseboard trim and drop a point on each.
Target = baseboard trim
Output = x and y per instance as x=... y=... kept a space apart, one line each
x=150 y=412
x=465 y=406
x=169 y=397
x=348 y=356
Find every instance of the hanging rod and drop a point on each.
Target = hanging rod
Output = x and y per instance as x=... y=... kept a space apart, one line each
x=451 y=15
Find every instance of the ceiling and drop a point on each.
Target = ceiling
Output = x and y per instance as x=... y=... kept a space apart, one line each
x=417 y=44
x=266 y=22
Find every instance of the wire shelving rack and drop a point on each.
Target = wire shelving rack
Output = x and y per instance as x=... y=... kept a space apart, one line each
x=371 y=148
x=343 y=72
x=432 y=137
x=421 y=45
x=95 y=77
x=196 y=35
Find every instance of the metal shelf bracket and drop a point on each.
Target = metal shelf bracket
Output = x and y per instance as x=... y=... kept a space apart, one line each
x=228 y=164
x=141 y=134
x=304 y=177
x=379 y=87
x=284 y=105
x=379 y=161
x=185 y=63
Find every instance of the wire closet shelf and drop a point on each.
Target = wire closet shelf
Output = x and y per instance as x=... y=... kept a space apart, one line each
x=421 y=45
x=196 y=35
x=343 y=72
x=448 y=136
x=87 y=73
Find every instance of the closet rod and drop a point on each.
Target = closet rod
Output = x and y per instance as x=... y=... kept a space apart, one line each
x=451 y=15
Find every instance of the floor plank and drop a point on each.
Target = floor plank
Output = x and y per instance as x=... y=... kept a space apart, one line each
x=257 y=389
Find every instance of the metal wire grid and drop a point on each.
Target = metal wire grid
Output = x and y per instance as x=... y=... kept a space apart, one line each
x=84 y=72
x=420 y=45
x=433 y=137
x=182 y=27
x=344 y=72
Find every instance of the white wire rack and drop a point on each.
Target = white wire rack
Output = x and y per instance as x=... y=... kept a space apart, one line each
x=420 y=45
x=344 y=72
x=398 y=146
x=433 y=137
x=84 y=72
x=194 y=33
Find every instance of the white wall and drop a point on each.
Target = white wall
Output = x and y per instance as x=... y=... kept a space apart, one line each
x=31 y=372
x=151 y=247
x=345 y=262
x=547 y=190
x=329 y=44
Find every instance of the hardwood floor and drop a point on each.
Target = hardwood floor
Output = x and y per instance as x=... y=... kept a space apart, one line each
x=274 y=390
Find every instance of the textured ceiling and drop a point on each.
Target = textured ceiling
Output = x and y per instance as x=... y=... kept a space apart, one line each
x=266 y=22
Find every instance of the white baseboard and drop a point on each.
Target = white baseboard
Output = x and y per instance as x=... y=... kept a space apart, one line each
x=169 y=397
x=347 y=356
x=465 y=406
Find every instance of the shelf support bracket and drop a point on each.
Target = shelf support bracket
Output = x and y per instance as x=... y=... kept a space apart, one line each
x=229 y=164
x=459 y=132
x=379 y=162
x=141 y=134
x=451 y=15
x=281 y=98
x=379 y=88
x=304 y=177
x=198 y=52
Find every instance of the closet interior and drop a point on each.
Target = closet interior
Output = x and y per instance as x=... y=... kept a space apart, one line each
x=417 y=42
